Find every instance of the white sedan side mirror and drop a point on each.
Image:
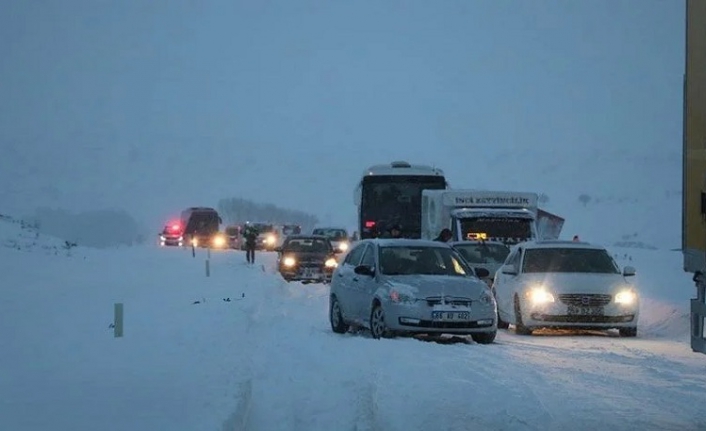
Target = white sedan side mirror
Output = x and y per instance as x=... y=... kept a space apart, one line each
x=629 y=271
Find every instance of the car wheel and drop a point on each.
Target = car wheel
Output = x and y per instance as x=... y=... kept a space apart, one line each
x=336 y=317
x=484 y=337
x=628 y=332
x=378 y=327
x=520 y=328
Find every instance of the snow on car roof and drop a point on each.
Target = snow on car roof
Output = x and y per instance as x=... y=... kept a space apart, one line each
x=558 y=244
x=407 y=242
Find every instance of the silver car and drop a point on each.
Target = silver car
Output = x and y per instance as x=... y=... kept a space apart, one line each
x=396 y=286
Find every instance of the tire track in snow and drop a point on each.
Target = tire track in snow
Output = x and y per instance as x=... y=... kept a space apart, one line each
x=283 y=389
x=239 y=420
x=367 y=414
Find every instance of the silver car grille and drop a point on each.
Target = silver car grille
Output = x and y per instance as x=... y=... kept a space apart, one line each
x=585 y=299
x=450 y=300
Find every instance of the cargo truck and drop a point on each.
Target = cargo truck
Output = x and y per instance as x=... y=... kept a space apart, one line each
x=508 y=217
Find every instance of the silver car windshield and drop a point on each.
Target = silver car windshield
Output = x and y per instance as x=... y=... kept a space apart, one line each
x=412 y=260
x=483 y=253
x=577 y=260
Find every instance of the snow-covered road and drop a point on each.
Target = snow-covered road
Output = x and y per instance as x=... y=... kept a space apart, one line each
x=243 y=350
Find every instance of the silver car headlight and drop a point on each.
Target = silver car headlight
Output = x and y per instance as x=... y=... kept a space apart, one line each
x=400 y=297
x=343 y=246
x=486 y=298
x=626 y=297
x=289 y=261
x=539 y=295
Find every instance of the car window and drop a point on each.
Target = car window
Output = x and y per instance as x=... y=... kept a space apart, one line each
x=355 y=255
x=307 y=245
x=334 y=234
x=514 y=259
x=369 y=257
x=411 y=260
x=483 y=252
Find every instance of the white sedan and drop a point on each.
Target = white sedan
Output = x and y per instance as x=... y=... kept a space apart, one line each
x=565 y=284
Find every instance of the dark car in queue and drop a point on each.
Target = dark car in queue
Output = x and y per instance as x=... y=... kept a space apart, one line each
x=172 y=235
x=307 y=258
x=202 y=228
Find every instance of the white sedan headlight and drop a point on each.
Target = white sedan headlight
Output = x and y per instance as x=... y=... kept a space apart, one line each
x=289 y=261
x=331 y=263
x=343 y=246
x=539 y=295
x=626 y=297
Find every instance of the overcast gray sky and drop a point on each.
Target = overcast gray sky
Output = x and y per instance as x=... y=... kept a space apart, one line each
x=154 y=106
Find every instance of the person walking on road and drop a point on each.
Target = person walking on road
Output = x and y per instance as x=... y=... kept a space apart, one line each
x=250 y=235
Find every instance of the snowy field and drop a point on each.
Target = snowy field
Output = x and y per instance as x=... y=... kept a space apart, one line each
x=243 y=350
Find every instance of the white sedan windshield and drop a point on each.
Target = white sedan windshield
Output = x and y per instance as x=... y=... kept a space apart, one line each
x=577 y=260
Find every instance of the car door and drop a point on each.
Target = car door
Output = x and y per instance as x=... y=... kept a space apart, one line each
x=344 y=279
x=504 y=285
x=363 y=286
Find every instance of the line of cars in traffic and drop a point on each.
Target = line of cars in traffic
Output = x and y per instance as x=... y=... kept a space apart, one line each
x=415 y=286
x=200 y=227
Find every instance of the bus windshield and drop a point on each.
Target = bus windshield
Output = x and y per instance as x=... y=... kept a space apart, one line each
x=395 y=199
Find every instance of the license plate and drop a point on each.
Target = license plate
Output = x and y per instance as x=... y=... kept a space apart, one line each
x=578 y=310
x=450 y=316
x=309 y=273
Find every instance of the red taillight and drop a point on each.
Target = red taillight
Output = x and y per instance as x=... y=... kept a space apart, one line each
x=175 y=228
x=369 y=224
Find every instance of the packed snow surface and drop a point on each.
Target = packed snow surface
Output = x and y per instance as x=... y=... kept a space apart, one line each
x=243 y=350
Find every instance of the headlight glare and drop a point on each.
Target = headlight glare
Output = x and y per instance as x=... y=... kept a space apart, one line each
x=331 y=263
x=289 y=261
x=343 y=246
x=626 y=297
x=539 y=295
x=219 y=241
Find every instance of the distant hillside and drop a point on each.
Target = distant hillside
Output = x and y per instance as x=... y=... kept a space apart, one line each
x=239 y=210
x=98 y=228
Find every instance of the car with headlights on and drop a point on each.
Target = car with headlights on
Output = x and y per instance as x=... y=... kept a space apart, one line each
x=565 y=284
x=410 y=286
x=338 y=237
x=488 y=255
x=306 y=258
x=172 y=235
